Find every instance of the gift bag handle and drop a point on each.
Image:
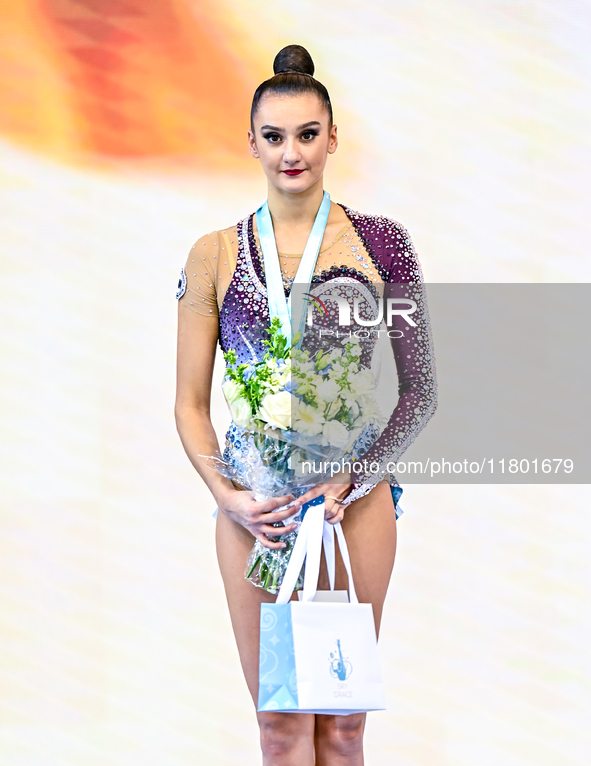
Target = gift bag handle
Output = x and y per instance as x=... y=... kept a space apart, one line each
x=328 y=534
x=308 y=545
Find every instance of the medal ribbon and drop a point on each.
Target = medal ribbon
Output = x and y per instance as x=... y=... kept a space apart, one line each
x=278 y=305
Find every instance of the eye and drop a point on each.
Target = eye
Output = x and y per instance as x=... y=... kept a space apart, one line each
x=310 y=134
x=272 y=136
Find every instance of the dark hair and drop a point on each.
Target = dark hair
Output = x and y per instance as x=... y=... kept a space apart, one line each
x=294 y=73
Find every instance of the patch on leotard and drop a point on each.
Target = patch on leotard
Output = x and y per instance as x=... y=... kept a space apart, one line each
x=182 y=286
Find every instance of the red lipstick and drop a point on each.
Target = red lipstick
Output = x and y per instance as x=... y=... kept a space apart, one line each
x=293 y=172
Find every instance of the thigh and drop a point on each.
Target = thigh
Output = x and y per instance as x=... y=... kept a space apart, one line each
x=370 y=529
x=369 y=526
x=233 y=544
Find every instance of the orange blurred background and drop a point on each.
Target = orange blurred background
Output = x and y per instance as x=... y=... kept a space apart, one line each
x=87 y=81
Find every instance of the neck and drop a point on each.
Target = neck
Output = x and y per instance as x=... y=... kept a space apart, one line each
x=286 y=208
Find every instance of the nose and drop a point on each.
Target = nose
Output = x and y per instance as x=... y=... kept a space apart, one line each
x=291 y=152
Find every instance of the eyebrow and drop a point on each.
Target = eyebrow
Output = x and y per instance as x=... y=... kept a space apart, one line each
x=300 y=127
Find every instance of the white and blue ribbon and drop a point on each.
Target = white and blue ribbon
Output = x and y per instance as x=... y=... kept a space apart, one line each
x=278 y=305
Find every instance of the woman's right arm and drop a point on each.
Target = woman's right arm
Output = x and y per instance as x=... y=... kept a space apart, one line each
x=196 y=349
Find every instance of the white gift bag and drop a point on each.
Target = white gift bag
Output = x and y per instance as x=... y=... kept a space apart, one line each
x=317 y=656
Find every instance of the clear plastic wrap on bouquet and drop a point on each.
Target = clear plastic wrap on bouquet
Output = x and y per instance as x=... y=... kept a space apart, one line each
x=266 y=567
x=295 y=415
x=261 y=462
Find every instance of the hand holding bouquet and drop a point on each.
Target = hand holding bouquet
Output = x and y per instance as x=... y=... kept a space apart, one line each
x=295 y=418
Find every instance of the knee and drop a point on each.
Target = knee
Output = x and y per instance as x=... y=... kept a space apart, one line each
x=281 y=733
x=343 y=734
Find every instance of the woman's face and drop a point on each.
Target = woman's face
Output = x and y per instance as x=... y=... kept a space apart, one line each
x=292 y=139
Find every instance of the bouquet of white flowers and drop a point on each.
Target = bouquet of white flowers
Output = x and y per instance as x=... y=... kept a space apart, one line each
x=292 y=413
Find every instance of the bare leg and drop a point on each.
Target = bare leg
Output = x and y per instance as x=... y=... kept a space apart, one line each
x=287 y=739
x=370 y=530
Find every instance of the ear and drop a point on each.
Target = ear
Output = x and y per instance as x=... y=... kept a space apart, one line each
x=252 y=145
x=333 y=140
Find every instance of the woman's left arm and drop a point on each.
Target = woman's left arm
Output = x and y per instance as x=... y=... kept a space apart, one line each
x=409 y=327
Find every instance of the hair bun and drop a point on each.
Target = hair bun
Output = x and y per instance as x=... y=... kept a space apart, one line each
x=294 y=58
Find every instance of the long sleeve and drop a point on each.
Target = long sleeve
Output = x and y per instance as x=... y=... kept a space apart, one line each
x=412 y=346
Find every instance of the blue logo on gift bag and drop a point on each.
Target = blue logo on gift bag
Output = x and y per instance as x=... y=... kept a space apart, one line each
x=340 y=667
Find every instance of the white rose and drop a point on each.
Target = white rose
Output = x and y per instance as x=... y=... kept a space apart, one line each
x=232 y=390
x=371 y=412
x=328 y=390
x=275 y=410
x=362 y=382
x=335 y=434
x=241 y=412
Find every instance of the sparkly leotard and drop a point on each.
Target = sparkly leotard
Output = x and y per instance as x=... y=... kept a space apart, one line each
x=224 y=278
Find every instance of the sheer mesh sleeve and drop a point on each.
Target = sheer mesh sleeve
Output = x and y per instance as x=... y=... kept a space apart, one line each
x=197 y=283
x=415 y=364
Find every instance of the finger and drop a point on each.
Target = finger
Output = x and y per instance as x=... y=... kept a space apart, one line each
x=267 y=506
x=266 y=543
x=309 y=495
x=268 y=529
x=273 y=516
x=335 y=509
x=339 y=491
x=336 y=518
